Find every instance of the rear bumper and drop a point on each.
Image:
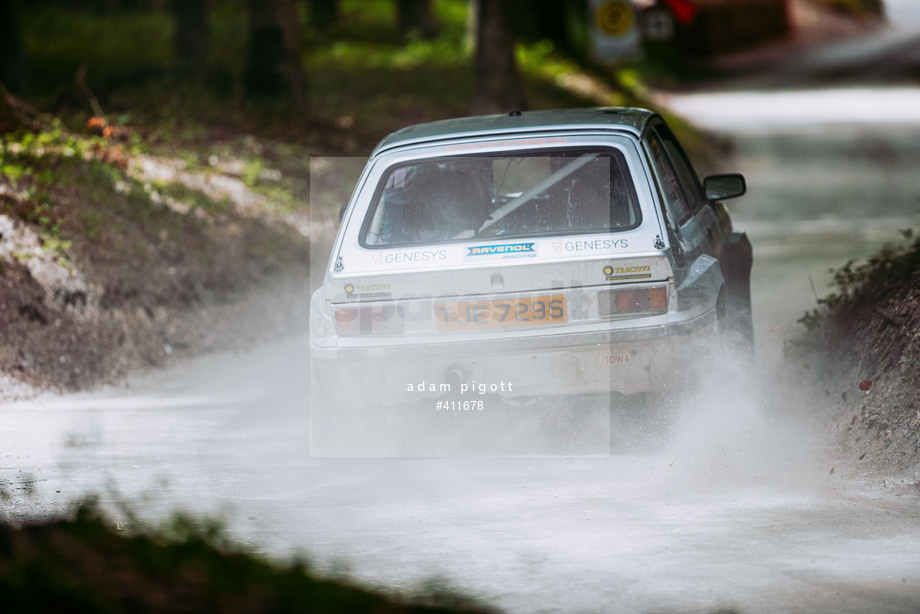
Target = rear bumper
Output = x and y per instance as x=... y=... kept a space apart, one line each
x=623 y=360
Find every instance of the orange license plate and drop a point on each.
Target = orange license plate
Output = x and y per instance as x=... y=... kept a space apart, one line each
x=466 y=315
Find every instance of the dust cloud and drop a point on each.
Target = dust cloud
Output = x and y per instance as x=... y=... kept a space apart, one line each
x=744 y=426
x=730 y=424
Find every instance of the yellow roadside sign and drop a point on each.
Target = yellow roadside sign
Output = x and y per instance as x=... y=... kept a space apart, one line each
x=614 y=31
x=615 y=17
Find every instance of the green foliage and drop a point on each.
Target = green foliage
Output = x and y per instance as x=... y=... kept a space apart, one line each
x=363 y=76
x=892 y=267
x=252 y=170
x=45 y=166
x=281 y=198
x=59 y=41
x=20 y=152
x=92 y=222
x=434 y=77
x=82 y=565
x=27 y=161
x=193 y=199
x=56 y=245
x=13 y=172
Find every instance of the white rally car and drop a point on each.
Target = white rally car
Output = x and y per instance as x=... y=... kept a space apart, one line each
x=527 y=255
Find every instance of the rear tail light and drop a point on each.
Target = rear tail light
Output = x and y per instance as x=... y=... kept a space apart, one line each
x=633 y=301
x=368 y=320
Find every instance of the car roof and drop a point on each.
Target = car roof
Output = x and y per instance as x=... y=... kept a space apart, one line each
x=626 y=119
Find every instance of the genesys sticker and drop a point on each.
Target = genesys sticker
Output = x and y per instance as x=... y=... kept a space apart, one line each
x=505 y=251
x=588 y=245
x=418 y=256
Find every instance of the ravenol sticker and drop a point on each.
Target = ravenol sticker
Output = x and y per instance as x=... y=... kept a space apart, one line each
x=626 y=273
x=508 y=249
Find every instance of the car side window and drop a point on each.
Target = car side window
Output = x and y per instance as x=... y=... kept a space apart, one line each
x=669 y=180
x=689 y=180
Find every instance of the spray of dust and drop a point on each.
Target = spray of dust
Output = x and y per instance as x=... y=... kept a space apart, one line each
x=741 y=426
x=732 y=425
x=551 y=426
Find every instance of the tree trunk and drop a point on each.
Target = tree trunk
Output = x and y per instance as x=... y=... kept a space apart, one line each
x=498 y=89
x=416 y=18
x=190 y=40
x=12 y=57
x=324 y=13
x=273 y=67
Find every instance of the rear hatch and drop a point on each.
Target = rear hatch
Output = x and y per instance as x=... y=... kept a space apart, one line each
x=509 y=242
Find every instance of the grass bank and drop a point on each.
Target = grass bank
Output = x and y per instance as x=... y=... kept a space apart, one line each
x=89 y=564
x=864 y=343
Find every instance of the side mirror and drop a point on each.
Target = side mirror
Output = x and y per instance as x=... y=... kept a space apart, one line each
x=342 y=212
x=720 y=187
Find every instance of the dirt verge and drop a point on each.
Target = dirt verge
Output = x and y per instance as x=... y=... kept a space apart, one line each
x=113 y=261
x=864 y=346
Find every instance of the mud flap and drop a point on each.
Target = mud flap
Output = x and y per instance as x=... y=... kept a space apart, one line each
x=737 y=260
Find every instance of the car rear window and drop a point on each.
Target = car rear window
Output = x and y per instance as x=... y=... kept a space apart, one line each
x=507 y=195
